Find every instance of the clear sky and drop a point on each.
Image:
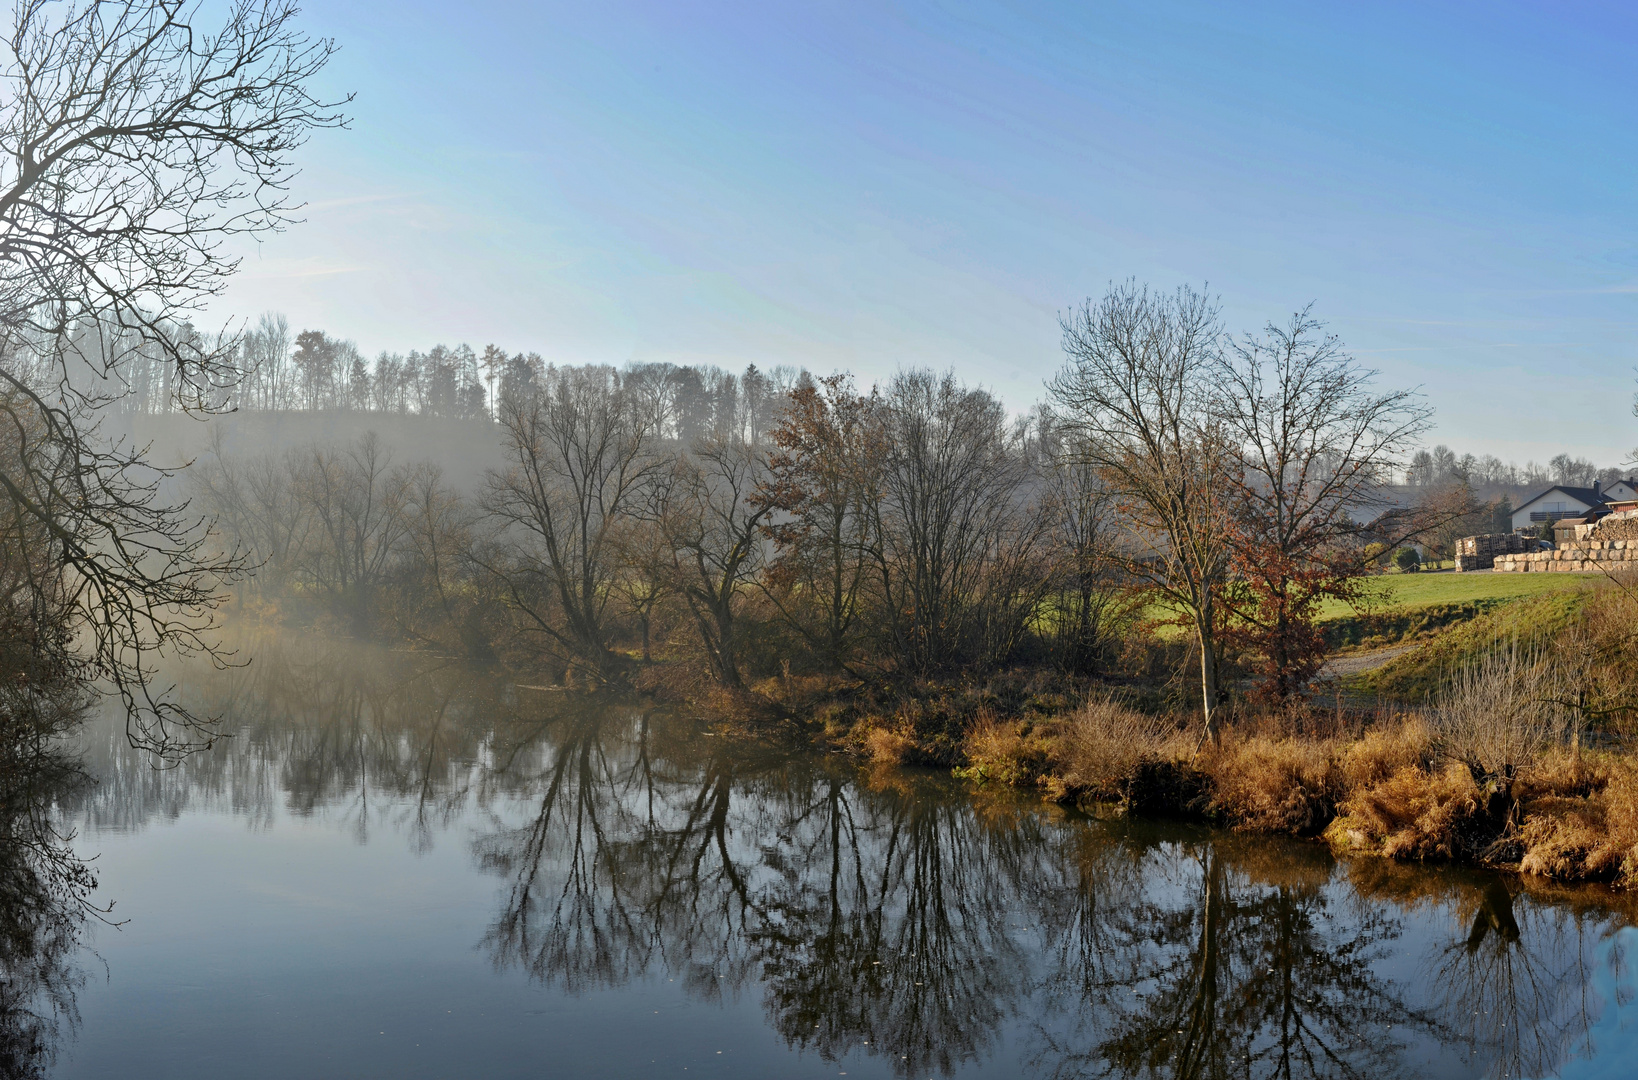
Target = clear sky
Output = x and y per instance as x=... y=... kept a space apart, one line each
x=865 y=186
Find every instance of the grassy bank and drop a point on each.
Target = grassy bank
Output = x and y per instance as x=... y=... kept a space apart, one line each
x=1415 y=676
x=1514 y=751
x=1417 y=607
x=1422 y=589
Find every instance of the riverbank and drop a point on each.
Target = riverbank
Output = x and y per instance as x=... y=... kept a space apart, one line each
x=1384 y=781
x=1517 y=752
x=1391 y=786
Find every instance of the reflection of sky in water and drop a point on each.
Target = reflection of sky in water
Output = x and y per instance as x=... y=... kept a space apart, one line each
x=1614 y=1035
x=344 y=891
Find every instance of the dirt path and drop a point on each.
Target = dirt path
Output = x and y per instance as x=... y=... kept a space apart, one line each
x=1340 y=667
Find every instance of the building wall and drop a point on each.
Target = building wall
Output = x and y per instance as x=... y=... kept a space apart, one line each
x=1559 y=505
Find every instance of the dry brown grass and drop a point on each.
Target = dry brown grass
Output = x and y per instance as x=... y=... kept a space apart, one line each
x=1413 y=814
x=1103 y=744
x=1287 y=785
x=1384 y=749
x=889 y=746
x=1568 y=817
x=1396 y=790
x=1020 y=753
x=1580 y=820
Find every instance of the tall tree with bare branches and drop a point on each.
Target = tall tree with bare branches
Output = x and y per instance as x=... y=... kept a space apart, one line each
x=581 y=453
x=712 y=522
x=957 y=540
x=1312 y=447
x=135 y=142
x=1136 y=393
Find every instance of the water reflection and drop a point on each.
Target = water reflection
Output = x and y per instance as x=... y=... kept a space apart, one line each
x=1513 y=980
x=45 y=900
x=890 y=911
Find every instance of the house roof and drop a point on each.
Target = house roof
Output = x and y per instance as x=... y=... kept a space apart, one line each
x=1589 y=496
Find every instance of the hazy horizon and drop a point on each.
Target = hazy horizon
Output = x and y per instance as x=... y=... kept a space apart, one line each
x=866 y=188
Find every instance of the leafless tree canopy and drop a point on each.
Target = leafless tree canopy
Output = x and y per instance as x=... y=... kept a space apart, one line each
x=133 y=144
x=1137 y=393
x=957 y=539
x=580 y=453
x=1313 y=445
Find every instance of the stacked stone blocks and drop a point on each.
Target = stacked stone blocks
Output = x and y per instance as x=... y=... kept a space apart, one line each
x=1611 y=543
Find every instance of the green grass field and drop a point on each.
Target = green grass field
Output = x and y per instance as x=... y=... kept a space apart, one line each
x=1415 y=676
x=1410 y=606
x=1425 y=589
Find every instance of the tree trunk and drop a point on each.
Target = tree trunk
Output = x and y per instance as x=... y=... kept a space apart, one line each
x=1209 y=689
x=727 y=661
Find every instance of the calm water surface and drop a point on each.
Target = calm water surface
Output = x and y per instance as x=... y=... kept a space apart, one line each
x=402 y=867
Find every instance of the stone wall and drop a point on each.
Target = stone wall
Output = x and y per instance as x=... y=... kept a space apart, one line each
x=1610 y=543
x=1578 y=555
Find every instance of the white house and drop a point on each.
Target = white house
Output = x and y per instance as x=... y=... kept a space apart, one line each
x=1565 y=502
x=1619 y=491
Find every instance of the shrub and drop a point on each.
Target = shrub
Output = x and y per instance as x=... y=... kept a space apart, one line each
x=1103 y=743
x=1496 y=716
x=889 y=747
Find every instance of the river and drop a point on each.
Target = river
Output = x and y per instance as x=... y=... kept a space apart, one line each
x=403 y=866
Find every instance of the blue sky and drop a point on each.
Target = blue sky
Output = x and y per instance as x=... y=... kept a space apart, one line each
x=868 y=186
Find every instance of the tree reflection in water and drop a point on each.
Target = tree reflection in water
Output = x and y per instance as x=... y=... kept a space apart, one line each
x=892 y=911
x=1234 y=958
x=45 y=899
x=1515 y=980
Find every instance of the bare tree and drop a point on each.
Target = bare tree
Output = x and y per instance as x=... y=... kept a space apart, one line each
x=1311 y=447
x=433 y=573
x=255 y=510
x=952 y=524
x=580 y=456
x=133 y=144
x=265 y=357
x=713 y=525
x=1086 y=583
x=356 y=501
x=1136 y=392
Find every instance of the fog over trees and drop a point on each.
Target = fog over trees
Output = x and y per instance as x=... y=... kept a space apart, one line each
x=747 y=525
